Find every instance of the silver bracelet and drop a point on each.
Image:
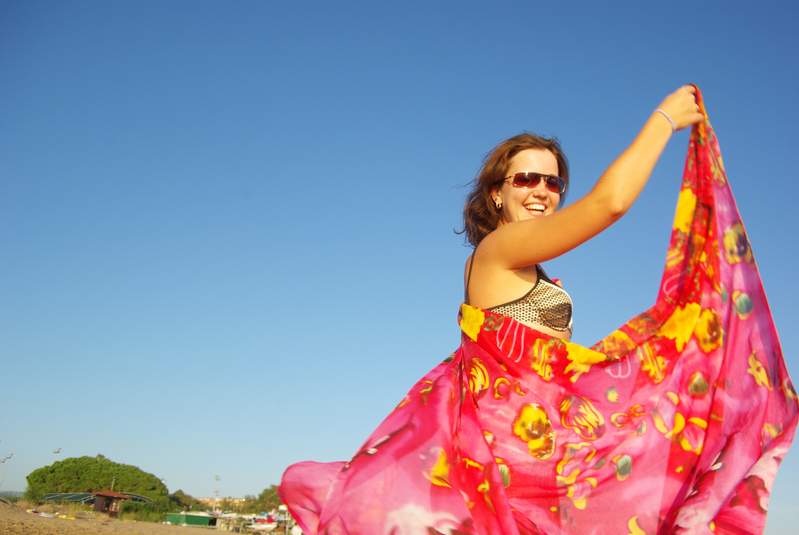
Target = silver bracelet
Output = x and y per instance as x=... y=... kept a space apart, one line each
x=666 y=115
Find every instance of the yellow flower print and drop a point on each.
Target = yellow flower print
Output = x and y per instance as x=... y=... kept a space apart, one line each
x=618 y=343
x=621 y=419
x=578 y=414
x=686 y=206
x=501 y=388
x=623 y=465
x=568 y=473
x=708 y=331
x=428 y=387
x=698 y=384
x=581 y=358
x=634 y=529
x=540 y=353
x=532 y=425
x=654 y=365
x=478 y=376
x=485 y=489
x=717 y=168
x=788 y=390
x=742 y=304
x=471 y=463
x=471 y=321
x=757 y=371
x=690 y=433
x=680 y=325
x=675 y=255
x=504 y=472
x=436 y=467
x=736 y=245
x=579 y=491
x=769 y=432
x=710 y=265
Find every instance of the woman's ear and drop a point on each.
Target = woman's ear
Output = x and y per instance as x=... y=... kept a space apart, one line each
x=496 y=197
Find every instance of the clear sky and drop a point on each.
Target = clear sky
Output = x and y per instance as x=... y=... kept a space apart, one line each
x=226 y=228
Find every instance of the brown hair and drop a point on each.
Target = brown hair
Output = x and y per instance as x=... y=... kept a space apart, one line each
x=480 y=215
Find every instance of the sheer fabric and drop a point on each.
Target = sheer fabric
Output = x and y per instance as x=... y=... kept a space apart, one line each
x=674 y=423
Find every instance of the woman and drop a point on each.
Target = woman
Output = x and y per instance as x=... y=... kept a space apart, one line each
x=674 y=423
x=525 y=179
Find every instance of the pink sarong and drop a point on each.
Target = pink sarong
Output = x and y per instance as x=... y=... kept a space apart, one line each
x=675 y=423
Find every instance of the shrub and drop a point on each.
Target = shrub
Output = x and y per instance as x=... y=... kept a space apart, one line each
x=34 y=494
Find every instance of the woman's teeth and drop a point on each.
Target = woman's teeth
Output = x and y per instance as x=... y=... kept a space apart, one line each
x=535 y=207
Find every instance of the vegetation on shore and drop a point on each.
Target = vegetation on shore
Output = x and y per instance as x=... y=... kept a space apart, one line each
x=97 y=474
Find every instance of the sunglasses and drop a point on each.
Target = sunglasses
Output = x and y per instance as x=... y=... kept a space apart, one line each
x=528 y=179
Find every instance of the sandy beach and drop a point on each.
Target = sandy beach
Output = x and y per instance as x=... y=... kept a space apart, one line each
x=16 y=520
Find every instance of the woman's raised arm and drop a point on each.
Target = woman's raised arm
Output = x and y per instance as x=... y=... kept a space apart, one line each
x=530 y=241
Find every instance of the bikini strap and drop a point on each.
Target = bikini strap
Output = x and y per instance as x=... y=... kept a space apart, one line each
x=542 y=273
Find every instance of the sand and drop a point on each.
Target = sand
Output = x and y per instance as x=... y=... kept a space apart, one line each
x=17 y=521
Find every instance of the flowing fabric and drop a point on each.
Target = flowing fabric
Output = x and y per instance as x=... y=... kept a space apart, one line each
x=675 y=423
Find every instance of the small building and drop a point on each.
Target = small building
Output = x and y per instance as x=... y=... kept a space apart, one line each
x=109 y=502
x=191 y=519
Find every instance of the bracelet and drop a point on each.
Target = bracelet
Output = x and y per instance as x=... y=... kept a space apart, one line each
x=666 y=115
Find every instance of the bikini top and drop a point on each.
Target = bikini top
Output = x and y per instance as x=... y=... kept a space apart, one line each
x=546 y=304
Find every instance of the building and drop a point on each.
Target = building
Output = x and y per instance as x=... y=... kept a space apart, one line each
x=191 y=519
x=109 y=502
x=209 y=502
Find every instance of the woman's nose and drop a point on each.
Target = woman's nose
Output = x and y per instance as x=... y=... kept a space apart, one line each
x=540 y=189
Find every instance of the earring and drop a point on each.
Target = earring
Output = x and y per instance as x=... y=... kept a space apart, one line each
x=498 y=203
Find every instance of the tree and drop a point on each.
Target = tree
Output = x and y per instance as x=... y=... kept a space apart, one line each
x=180 y=501
x=95 y=474
x=266 y=501
x=33 y=494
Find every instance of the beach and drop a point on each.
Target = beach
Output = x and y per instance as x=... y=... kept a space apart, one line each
x=16 y=520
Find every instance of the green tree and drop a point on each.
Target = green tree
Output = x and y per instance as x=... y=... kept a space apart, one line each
x=95 y=474
x=34 y=494
x=269 y=498
x=180 y=501
x=264 y=502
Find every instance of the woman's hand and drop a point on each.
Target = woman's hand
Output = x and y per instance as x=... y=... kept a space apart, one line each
x=681 y=106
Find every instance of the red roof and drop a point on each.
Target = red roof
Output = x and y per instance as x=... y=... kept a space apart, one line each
x=111 y=494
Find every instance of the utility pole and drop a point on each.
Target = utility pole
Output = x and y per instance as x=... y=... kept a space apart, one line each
x=56 y=451
x=216 y=493
x=4 y=462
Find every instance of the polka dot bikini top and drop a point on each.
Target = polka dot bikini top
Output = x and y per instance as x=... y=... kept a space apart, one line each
x=545 y=304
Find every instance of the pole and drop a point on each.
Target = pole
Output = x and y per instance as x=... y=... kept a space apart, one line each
x=4 y=462
x=216 y=493
x=55 y=451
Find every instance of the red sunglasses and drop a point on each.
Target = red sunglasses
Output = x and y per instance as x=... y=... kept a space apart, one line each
x=528 y=179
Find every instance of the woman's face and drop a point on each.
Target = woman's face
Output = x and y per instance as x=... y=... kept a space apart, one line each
x=526 y=203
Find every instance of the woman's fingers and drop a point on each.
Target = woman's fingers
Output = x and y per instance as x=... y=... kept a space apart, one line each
x=681 y=106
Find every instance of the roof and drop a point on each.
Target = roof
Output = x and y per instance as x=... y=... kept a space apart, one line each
x=111 y=494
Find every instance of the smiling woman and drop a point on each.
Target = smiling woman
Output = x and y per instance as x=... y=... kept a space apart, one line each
x=674 y=423
x=481 y=213
x=519 y=192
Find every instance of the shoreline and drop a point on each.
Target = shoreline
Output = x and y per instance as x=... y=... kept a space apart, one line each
x=15 y=520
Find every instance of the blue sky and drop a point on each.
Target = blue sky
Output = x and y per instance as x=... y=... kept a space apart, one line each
x=227 y=227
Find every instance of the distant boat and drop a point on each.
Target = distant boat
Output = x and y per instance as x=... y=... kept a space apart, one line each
x=261 y=528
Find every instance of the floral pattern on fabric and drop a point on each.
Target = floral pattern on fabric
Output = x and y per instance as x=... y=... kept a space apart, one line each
x=675 y=423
